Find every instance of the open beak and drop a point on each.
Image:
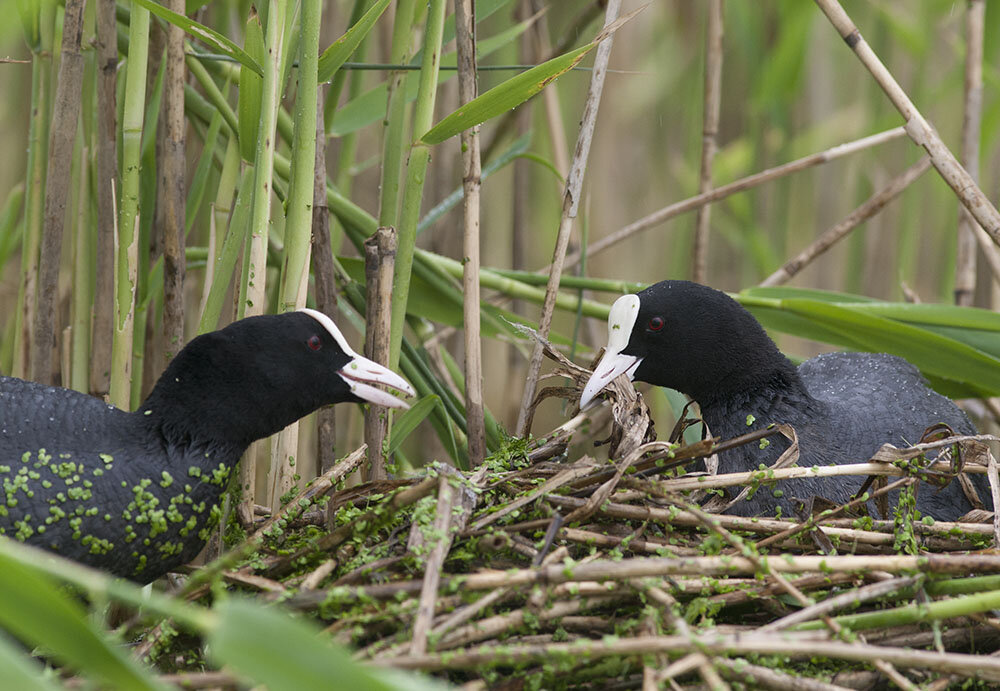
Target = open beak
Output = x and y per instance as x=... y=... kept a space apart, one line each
x=360 y=373
x=621 y=319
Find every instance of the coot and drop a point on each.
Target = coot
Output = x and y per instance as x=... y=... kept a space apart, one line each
x=843 y=406
x=137 y=493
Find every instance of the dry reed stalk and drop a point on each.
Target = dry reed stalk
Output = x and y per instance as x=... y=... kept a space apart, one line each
x=869 y=208
x=849 y=599
x=674 y=517
x=709 y=133
x=325 y=287
x=468 y=89
x=918 y=129
x=432 y=572
x=380 y=260
x=717 y=193
x=106 y=122
x=965 y=255
x=62 y=133
x=972 y=666
x=571 y=201
x=170 y=195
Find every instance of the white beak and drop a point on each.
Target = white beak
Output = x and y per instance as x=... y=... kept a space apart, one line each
x=621 y=319
x=361 y=372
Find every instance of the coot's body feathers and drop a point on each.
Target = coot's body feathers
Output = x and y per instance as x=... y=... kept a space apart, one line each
x=843 y=406
x=137 y=493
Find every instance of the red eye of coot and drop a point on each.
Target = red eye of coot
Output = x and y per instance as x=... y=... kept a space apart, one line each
x=314 y=343
x=655 y=324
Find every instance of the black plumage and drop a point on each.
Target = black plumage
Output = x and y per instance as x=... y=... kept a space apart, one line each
x=843 y=406
x=137 y=493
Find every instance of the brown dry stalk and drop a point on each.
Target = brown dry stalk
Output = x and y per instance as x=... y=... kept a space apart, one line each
x=709 y=132
x=380 y=258
x=749 y=182
x=973 y=666
x=869 y=208
x=170 y=196
x=432 y=572
x=106 y=124
x=465 y=40
x=918 y=129
x=62 y=133
x=325 y=287
x=571 y=201
x=965 y=255
x=674 y=517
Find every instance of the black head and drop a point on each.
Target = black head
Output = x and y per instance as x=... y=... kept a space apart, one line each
x=688 y=337
x=260 y=374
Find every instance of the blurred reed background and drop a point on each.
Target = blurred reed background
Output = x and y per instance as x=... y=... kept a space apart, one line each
x=789 y=88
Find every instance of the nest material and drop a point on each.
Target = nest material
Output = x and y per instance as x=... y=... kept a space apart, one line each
x=534 y=573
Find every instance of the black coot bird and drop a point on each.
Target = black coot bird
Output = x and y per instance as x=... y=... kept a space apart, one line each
x=137 y=493
x=843 y=406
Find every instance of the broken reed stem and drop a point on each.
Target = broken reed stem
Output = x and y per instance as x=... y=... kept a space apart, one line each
x=965 y=255
x=435 y=560
x=918 y=129
x=994 y=478
x=465 y=39
x=869 y=208
x=749 y=182
x=710 y=130
x=975 y=666
x=380 y=260
x=62 y=134
x=571 y=201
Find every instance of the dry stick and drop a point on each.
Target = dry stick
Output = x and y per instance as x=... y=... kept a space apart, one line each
x=107 y=170
x=700 y=660
x=325 y=287
x=767 y=678
x=65 y=113
x=918 y=129
x=976 y=666
x=170 y=200
x=380 y=258
x=992 y=475
x=432 y=573
x=709 y=132
x=869 y=208
x=465 y=40
x=571 y=200
x=749 y=182
x=965 y=255
x=764 y=566
x=848 y=599
x=755 y=525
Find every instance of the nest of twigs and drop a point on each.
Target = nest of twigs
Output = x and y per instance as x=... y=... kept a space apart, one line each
x=537 y=572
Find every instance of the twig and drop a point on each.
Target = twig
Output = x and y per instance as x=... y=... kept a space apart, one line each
x=571 y=200
x=851 y=598
x=918 y=129
x=709 y=132
x=465 y=39
x=749 y=182
x=869 y=208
